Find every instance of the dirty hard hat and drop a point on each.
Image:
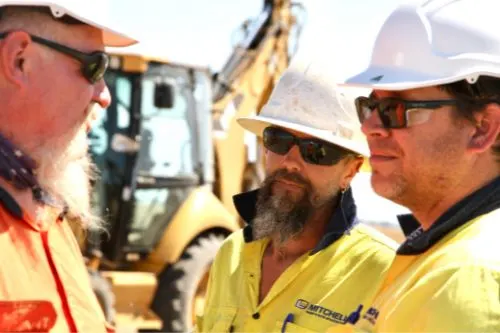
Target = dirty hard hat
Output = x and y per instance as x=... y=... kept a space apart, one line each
x=91 y=12
x=434 y=42
x=306 y=99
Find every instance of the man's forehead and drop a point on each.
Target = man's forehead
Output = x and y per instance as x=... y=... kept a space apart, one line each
x=386 y=93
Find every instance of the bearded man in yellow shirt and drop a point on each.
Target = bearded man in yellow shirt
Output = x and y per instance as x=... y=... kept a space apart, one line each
x=303 y=261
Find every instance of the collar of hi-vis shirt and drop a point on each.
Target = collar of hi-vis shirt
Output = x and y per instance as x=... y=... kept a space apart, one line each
x=343 y=219
x=480 y=202
x=15 y=210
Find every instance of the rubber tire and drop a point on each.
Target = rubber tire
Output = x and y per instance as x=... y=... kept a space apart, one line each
x=104 y=294
x=178 y=282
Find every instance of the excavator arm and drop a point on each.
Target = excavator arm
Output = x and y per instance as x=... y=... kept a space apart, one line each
x=244 y=54
x=241 y=88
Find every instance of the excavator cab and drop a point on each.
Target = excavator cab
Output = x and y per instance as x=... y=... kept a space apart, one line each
x=151 y=151
x=154 y=153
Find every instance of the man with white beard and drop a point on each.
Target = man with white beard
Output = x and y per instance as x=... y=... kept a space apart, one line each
x=303 y=262
x=51 y=77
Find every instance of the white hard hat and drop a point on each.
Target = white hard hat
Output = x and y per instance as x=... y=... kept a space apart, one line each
x=434 y=42
x=91 y=12
x=306 y=99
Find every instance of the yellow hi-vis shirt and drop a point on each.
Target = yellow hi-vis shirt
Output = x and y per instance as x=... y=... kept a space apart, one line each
x=315 y=292
x=452 y=287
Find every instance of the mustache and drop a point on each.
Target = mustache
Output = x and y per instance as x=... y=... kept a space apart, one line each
x=283 y=174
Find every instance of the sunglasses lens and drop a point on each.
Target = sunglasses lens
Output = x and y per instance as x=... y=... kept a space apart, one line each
x=96 y=66
x=320 y=153
x=392 y=113
x=364 y=107
x=278 y=141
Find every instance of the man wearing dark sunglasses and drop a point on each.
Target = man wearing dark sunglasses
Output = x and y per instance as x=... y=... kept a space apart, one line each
x=303 y=261
x=52 y=63
x=433 y=124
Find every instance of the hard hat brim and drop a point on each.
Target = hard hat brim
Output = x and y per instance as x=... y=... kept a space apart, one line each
x=112 y=34
x=111 y=37
x=391 y=79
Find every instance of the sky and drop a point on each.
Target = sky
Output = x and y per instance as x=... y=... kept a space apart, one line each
x=202 y=32
x=199 y=31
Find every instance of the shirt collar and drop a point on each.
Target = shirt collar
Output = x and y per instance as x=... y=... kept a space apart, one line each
x=480 y=202
x=10 y=204
x=341 y=222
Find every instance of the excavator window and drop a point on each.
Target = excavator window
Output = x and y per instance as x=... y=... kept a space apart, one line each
x=165 y=154
x=164 y=95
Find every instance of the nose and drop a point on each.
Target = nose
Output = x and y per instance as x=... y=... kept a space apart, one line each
x=293 y=161
x=373 y=126
x=102 y=96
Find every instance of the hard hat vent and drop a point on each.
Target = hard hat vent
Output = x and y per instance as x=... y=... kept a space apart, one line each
x=57 y=12
x=472 y=79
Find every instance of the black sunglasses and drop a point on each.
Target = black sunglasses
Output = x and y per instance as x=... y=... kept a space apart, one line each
x=398 y=113
x=313 y=151
x=94 y=64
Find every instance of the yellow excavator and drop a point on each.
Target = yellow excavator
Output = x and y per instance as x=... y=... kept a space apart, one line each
x=171 y=156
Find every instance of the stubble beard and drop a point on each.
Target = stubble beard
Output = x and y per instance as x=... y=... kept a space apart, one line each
x=428 y=180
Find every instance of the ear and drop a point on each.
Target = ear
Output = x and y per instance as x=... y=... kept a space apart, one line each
x=487 y=129
x=352 y=168
x=14 y=51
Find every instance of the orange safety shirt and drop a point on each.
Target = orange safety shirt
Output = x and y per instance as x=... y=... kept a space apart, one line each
x=44 y=284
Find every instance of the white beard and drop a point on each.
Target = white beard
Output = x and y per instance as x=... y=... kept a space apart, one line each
x=65 y=171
